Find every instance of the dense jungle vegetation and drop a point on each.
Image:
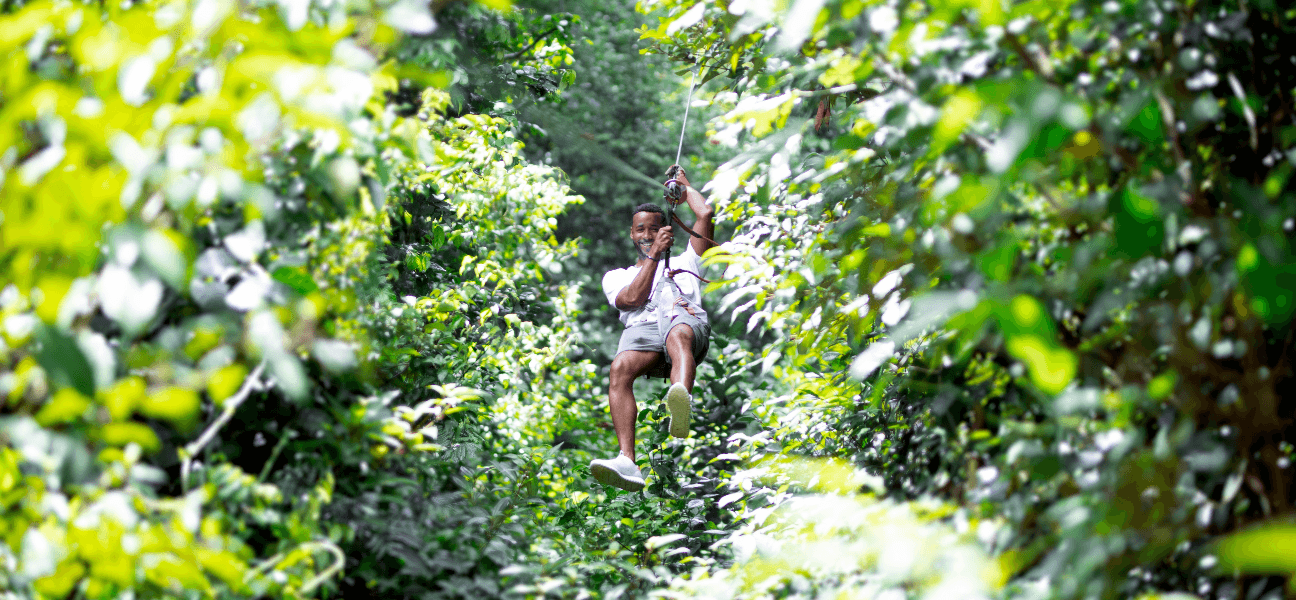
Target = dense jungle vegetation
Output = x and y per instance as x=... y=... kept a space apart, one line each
x=300 y=298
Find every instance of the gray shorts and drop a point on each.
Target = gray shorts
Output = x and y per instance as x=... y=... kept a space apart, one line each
x=647 y=337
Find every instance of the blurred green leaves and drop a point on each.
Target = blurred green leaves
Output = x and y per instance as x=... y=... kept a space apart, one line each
x=60 y=356
x=296 y=278
x=1028 y=265
x=194 y=189
x=1103 y=188
x=1139 y=227
x=1263 y=550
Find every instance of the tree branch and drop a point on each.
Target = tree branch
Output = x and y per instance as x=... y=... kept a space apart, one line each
x=528 y=47
x=1182 y=167
x=231 y=405
x=308 y=547
x=1038 y=64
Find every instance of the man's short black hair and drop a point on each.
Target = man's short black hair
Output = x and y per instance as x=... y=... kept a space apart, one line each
x=649 y=207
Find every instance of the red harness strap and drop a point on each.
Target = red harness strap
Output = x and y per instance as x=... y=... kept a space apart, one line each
x=673 y=272
x=695 y=234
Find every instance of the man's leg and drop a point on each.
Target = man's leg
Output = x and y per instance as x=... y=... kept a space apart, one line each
x=679 y=344
x=679 y=398
x=626 y=367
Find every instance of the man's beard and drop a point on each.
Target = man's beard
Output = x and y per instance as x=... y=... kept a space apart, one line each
x=643 y=248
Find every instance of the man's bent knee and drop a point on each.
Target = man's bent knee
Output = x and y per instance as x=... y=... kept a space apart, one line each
x=681 y=332
x=622 y=370
x=625 y=369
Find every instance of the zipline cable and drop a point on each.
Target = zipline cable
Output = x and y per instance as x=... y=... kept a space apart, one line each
x=675 y=191
x=684 y=125
x=598 y=152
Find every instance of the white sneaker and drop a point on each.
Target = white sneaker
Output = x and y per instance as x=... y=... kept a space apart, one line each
x=678 y=402
x=618 y=472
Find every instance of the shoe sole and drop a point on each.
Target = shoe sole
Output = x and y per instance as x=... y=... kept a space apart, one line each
x=609 y=476
x=677 y=402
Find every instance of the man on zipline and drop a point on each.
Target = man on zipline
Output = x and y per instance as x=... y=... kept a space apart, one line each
x=664 y=320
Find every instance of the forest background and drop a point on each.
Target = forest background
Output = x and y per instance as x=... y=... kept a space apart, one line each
x=300 y=298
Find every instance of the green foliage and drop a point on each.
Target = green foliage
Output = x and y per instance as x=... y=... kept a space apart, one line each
x=138 y=231
x=215 y=301
x=831 y=543
x=491 y=61
x=1022 y=257
x=298 y=331
x=290 y=310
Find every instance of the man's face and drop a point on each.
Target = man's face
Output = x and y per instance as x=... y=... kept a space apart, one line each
x=643 y=230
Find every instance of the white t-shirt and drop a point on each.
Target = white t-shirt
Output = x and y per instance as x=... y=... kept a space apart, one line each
x=689 y=287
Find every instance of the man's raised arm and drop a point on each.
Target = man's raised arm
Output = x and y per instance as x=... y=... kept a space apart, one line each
x=705 y=223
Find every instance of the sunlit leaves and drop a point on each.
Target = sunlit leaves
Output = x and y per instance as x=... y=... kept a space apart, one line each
x=1079 y=185
x=1051 y=368
x=845 y=70
x=1266 y=549
x=174 y=404
x=762 y=115
x=132 y=155
x=957 y=113
x=852 y=545
x=65 y=405
x=871 y=358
